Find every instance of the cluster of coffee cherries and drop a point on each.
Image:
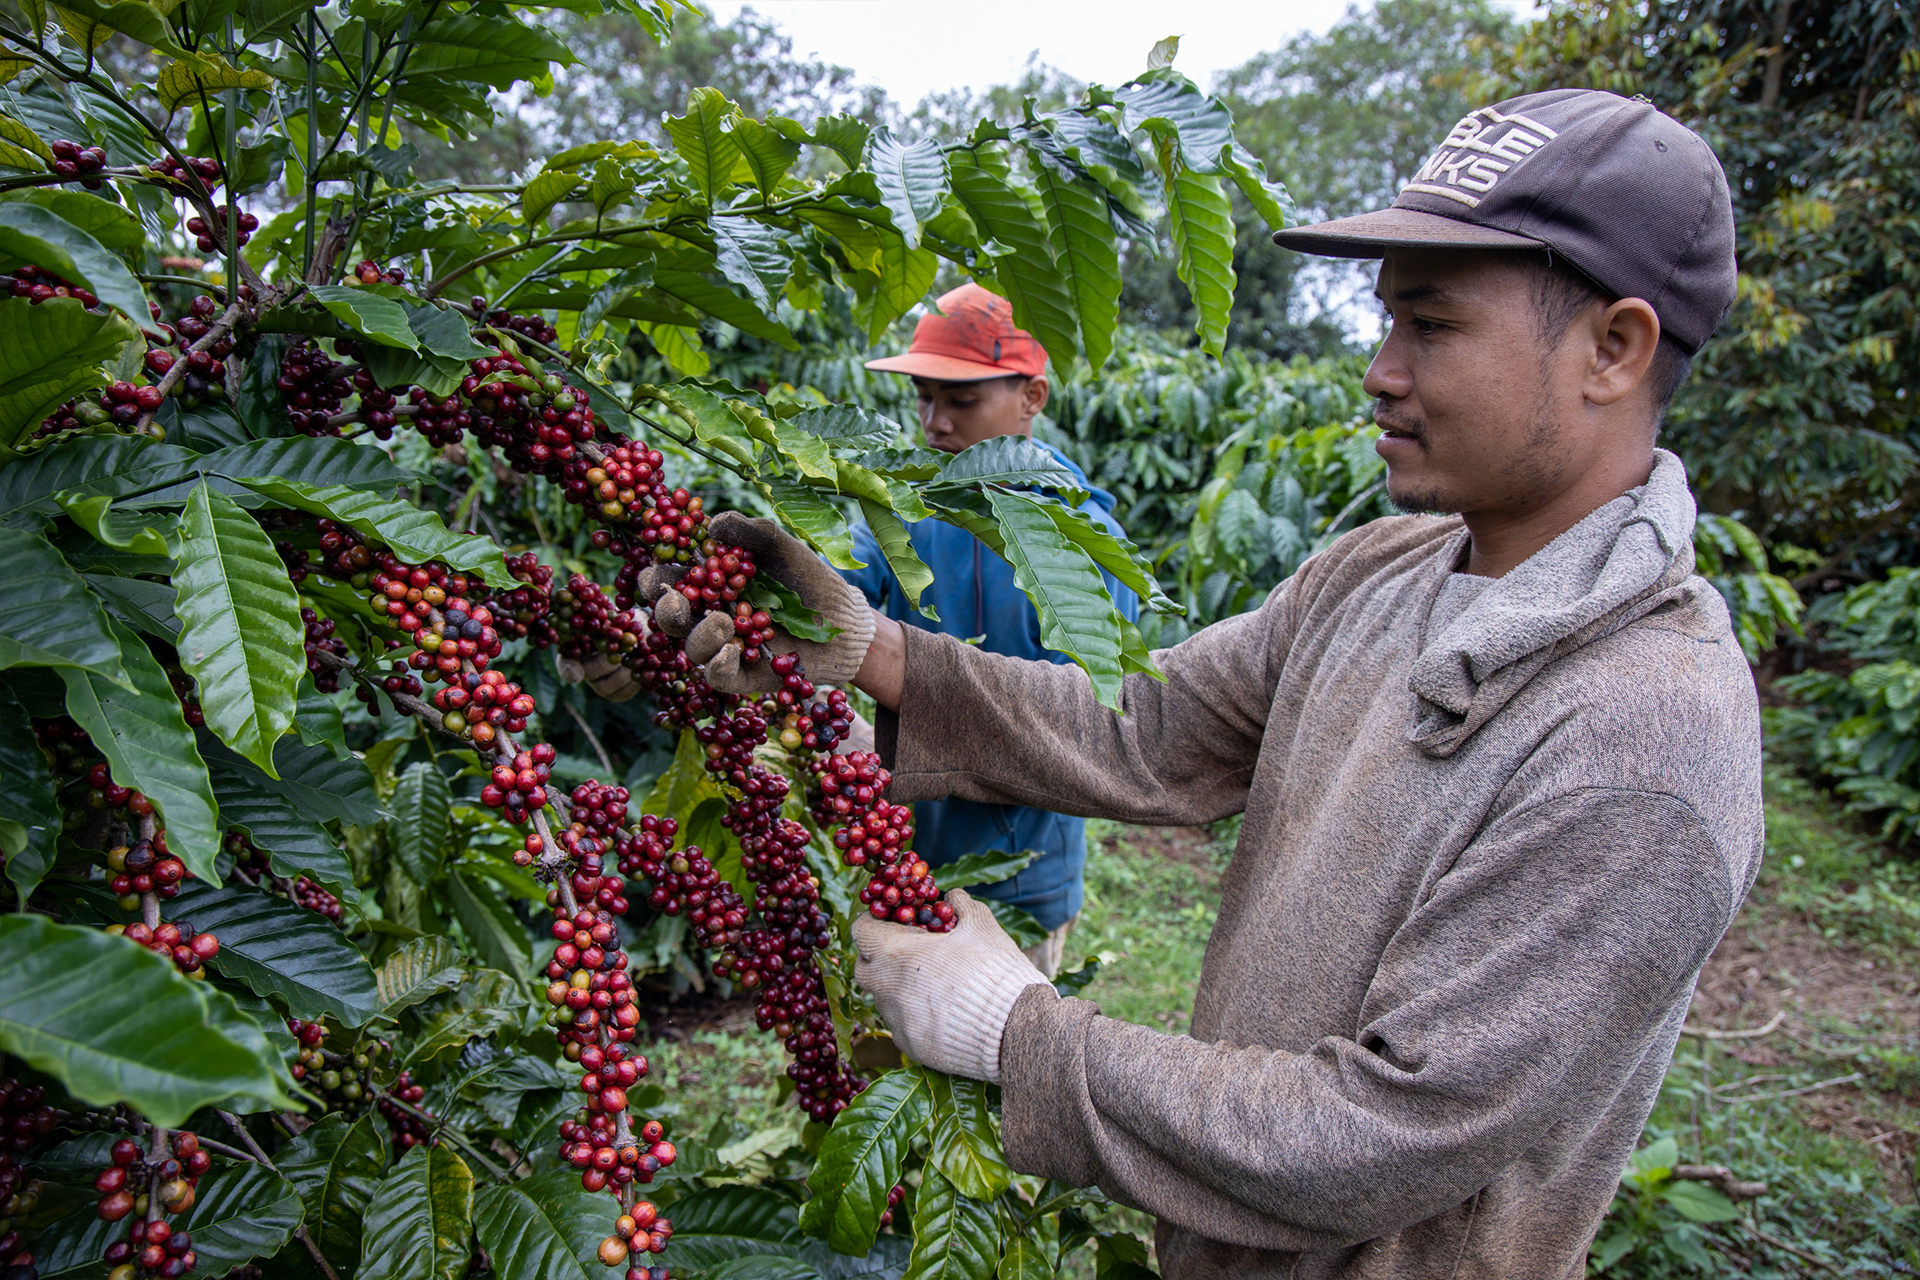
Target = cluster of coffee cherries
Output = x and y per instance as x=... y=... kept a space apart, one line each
x=152 y=1246
x=771 y=949
x=518 y=786
x=537 y=420
x=370 y=272
x=595 y=1018
x=408 y=1130
x=639 y=1229
x=144 y=867
x=317 y=637
x=208 y=237
x=176 y=940
x=895 y=1194
x=878 y=835
x=314 y=386
x=523 y=611
x=587 y=622
x=200 y=173
x=252 y=862
x=75 y=163
x=25 y=1118
x=37 y=285
x=534 y=327
x=206 y=372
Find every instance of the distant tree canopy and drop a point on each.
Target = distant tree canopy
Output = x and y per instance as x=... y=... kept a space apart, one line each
x=1800 y=417
x=624 y=83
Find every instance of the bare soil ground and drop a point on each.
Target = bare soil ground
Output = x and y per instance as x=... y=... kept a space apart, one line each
x=1833 y=1000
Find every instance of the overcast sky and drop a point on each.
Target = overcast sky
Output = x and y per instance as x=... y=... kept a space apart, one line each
x=915 y=47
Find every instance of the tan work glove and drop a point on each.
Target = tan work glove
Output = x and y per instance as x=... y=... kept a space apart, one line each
x=946 y=997
x=713 y=644
x=607 y=677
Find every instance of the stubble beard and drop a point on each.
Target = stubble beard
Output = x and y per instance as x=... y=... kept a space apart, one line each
x=1535 y=471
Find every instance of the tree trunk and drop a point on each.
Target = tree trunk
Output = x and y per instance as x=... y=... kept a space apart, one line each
x=1777 y=59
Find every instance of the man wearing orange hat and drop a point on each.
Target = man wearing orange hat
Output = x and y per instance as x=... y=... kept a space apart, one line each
x=977 y=377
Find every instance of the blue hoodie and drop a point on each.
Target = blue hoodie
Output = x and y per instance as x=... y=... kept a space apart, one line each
x=974 y=594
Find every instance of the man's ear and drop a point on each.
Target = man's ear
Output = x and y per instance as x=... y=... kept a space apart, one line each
x=1034 y=396
x=1625 y=337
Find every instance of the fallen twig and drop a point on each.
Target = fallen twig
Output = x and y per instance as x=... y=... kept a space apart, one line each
x=1723 y=1178
x=1795 y=1093
x=1750 y=1033
x=1813 y=1258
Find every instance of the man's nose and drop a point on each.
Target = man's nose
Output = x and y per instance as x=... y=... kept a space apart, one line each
x=1388 y=374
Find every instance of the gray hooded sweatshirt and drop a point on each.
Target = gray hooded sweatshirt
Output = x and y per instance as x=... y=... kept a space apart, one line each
x=1487 y=848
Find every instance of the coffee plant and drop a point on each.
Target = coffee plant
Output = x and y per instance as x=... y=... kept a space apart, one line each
x=276 y=999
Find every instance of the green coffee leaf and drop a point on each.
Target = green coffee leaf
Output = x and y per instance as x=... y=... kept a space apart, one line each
x=29 y=814
x=815 y=518
x=705 y=142
x=94 y=464
x=408 y=531
x=145 y=738
x=275 y=948
x=123 y=530
x=912 y=178
x=241 y=636
x=1202 y=222
x=897 y=546
x=1076 y=616
x=419 y=1220
x=52 y=620
x=373 y=317
x=863 y=1156
x=50 y=353
x=990 y=867
x=1022 y=1257
x=497 y=936
x=32 y=233
x=201 y=78
x=955 y=1237
x=295 y=846
x=547 y=1226
x=21 y=147
x=1007 y=460
x=485 y=1002
x=114 y=1022
x=966 y=1140
x=1112 y=552
x=114 y=226
x=1081 y=237
x=717 y=1225
x=1024 y=268
x=420 y=970
x=1269 y=199
x=752 y=255
x=767 y=152
x=335 y=1166
x=420 y=806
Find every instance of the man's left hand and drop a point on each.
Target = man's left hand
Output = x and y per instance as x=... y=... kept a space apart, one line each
x=946 y=997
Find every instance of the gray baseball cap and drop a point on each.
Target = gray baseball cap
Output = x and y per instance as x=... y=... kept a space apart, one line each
x=1629 y=195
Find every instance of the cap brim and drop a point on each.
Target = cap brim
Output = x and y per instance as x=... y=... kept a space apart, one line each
x=924 y=364
x=1370 y=235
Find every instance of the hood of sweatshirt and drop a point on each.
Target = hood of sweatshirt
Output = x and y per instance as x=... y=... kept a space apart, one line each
x=1620 y=563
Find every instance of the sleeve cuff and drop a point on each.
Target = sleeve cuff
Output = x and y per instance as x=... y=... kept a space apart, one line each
x=1042 y=1078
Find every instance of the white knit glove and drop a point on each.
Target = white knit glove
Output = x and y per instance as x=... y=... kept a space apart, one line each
x=712 y=644
x=946 y=997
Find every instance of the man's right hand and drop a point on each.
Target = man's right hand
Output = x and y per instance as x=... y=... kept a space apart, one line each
x=713 y=643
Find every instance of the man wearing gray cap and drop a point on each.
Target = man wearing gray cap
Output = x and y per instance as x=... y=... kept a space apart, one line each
x=1499 y=759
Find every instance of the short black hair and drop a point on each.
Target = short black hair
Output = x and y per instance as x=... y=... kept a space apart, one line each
x=1561 y=291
